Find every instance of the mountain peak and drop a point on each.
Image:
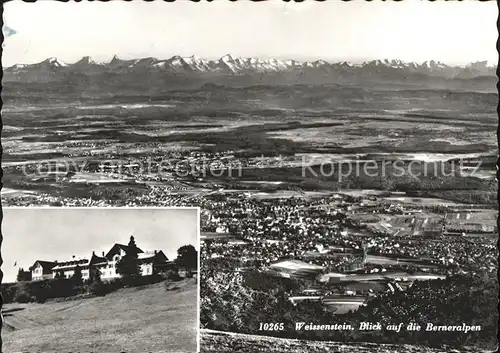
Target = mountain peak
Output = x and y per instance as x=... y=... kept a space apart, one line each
x=87 y=60
x=176 y=60
x=478 y=65
x=54 y=62
x=227 y=57
x=320 y=62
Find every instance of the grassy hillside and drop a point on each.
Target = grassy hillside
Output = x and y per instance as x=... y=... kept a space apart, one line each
x=148 y=319
x=222 y=342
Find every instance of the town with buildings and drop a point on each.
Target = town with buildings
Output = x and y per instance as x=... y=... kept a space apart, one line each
x=345 y=250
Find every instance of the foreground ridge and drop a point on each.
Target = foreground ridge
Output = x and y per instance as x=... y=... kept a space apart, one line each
x=220 y=341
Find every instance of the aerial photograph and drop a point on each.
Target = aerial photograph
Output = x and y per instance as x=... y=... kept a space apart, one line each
x=342 y=154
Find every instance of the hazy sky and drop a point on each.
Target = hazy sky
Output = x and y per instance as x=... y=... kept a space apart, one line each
x=50 y=234
x=413 y=30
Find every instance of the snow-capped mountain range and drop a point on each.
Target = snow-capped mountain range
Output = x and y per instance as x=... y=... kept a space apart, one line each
x=231 y=65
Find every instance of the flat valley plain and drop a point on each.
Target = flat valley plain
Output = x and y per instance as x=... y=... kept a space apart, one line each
x=245 y=138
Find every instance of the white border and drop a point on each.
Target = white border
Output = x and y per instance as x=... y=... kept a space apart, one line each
x=106 y=208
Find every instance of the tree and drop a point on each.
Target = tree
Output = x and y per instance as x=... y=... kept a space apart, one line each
x=187 y=257
x=128 y=266
x=76 y=279
x=77 y=275
x=59 y=275
x=96 y=275
x=23 y=275
x=96 y=285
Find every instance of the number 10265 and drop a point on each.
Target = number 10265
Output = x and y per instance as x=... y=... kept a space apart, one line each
x=264 y=326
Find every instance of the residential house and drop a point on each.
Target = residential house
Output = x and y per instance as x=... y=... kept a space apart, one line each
x=42 y=270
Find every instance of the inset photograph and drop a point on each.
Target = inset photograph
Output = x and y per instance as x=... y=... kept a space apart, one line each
x=100 y=280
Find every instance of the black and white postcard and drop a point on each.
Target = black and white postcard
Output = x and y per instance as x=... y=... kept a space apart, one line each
x=341 y=155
